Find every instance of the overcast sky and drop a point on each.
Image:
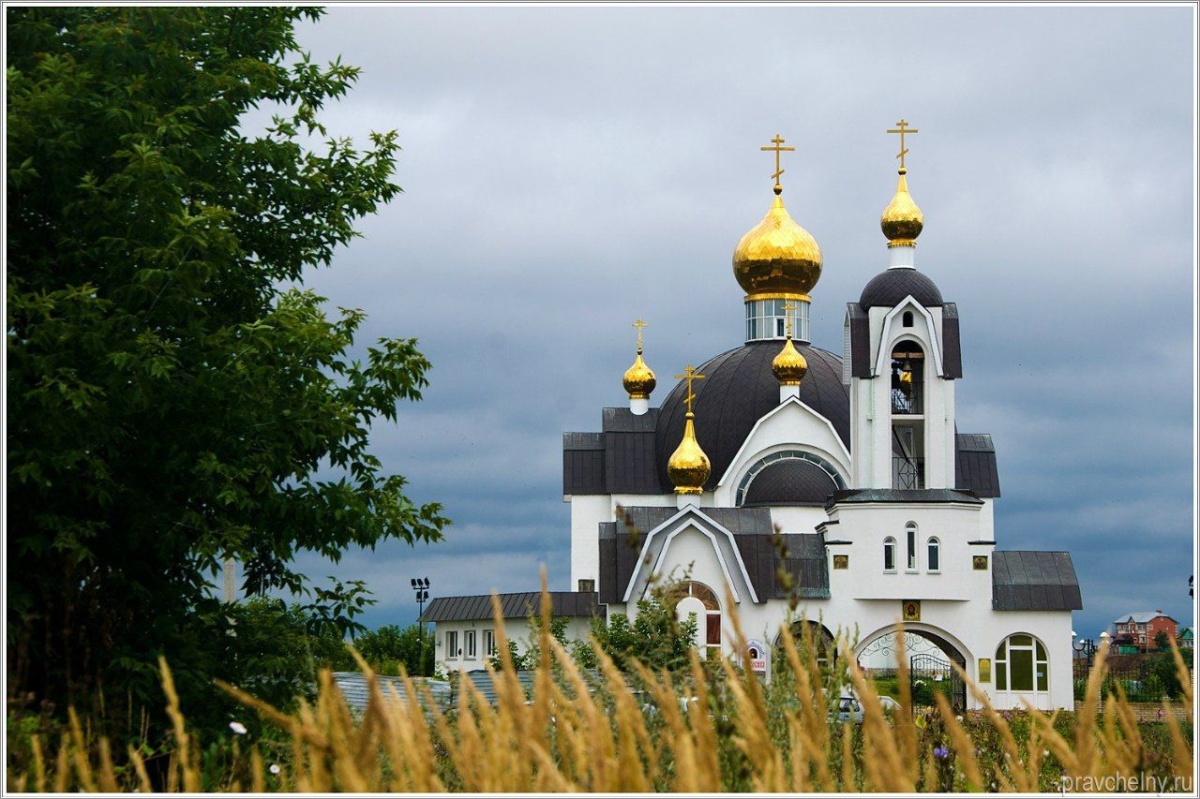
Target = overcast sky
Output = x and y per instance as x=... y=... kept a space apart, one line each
x=568 y=170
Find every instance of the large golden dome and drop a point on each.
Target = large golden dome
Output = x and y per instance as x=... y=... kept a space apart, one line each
x=902 y=220
x=789 y=366
x=689 y=467
x=639 y=379
x=777 y=257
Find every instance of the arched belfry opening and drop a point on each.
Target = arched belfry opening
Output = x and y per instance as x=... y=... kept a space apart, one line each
x=908 y=415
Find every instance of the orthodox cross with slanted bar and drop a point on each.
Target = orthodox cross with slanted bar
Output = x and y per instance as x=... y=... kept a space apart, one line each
x=689 y=374
x=902 y=128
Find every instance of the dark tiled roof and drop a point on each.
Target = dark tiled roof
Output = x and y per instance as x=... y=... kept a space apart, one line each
x=790 y=482
x=889 y=287
x=583 y=463
x=807 y=564
x=738 y=390
x=951 y=348
x=629 y=451
x=975 y=464
x=621 y=547
x=860 y=341
x=513 y=606
x=1023 y=580
x=620 y=459
x=855 y=495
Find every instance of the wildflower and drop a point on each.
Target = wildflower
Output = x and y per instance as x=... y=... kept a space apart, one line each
x=1160 y=714
x=237 y=727
x=274 y=769
x=941 y=753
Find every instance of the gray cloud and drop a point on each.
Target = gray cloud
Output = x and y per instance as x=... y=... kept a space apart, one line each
x=568 y=170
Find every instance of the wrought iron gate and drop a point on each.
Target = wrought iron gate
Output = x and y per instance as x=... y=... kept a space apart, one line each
x=927 y=673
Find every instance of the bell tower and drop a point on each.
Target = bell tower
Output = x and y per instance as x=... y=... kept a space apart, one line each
x=902 y=357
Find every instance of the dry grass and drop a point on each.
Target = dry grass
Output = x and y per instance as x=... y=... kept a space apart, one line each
x=577 y=735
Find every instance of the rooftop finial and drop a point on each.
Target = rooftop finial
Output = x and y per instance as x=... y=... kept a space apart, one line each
x=639 y=379
x=639 y=324
x=688 y=467
x=778 y=148
x=689 y=374
x=902 y=128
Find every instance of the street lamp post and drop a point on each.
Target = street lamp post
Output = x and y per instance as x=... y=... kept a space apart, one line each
x=421 y=586
x=1086 y=647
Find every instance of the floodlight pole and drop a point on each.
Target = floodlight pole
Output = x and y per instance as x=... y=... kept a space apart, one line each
x=421 y=586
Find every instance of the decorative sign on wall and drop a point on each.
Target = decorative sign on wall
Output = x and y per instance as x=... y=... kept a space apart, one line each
x=979 y=562
x=985 y=670
x=912 y=610
x=841 y=561
x=757 y=651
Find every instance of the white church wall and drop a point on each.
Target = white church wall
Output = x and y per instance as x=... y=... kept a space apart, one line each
x=866 y=527
x=587 y=512
x=798 y=518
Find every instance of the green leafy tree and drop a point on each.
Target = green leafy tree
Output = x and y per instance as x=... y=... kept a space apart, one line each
x=655 y=637
x=388 y=647
x=171 y=402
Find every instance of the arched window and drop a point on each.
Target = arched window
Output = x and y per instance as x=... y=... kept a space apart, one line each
x=910 y=531
x=889 y=554
x=933 y=561
x=908 y=319
x=1022 y=665
x=697 y=598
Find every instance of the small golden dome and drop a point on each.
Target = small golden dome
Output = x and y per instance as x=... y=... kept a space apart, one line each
x=777 y=256
x=639 y=379
x=902 y=220
x=789 y=366
x=689 y=467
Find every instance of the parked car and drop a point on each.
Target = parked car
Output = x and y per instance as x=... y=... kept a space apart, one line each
x=890 y=705
x=848 y=710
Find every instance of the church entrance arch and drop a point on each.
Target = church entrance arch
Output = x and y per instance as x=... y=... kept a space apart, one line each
x=808 y=633
x=928 y=654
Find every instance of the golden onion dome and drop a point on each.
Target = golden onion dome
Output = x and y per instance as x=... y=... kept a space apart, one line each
x=789 y=366
x=639 y=379
x=688 y=466
x=777 y=256
x=902 y=220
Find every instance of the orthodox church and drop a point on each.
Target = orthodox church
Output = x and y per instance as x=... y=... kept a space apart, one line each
x=797 y=483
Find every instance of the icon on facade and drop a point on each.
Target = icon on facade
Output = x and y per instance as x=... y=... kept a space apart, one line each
x=912 y=610
x=979 y=562
x=841 y=561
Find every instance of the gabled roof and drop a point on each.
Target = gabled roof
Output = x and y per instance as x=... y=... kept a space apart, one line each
x=512 y=606
x=803 y=556
x=1145 y=617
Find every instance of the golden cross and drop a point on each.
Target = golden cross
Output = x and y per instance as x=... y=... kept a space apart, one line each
x=689 y=375
x=788 y=307
x=778 y=148
x=639 y=324
x=902 y=128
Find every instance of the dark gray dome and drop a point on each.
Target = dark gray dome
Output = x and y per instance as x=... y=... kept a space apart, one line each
x=790 y=482
x=888 y=288
x=738 y=390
